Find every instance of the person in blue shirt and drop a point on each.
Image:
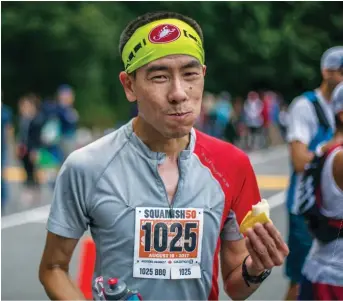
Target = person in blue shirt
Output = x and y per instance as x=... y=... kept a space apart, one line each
x=28 y=136
x=221 y=114
x=68 y=117
x=6 y=122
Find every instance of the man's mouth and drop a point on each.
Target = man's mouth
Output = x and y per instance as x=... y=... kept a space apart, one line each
x=178 y=114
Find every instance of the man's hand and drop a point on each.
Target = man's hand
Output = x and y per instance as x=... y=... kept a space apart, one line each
x=266 y=248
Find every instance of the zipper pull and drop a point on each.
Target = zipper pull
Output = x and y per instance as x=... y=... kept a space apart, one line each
x=171 y=212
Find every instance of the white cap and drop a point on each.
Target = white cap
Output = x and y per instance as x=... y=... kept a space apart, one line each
x=332 y=58
x=337 y=99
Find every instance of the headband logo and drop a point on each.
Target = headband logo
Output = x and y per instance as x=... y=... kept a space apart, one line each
x=164 y=33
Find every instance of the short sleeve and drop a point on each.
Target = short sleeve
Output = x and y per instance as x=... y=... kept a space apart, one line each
x=300 y=128
x=247 y=195
x=68 y=213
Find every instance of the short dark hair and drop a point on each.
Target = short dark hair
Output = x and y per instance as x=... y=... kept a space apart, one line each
x=32 y=98
x=154 y=16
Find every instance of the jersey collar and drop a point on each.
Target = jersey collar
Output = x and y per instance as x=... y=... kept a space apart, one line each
x=158 y=156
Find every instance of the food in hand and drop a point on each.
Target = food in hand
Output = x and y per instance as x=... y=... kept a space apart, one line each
x=259 y=214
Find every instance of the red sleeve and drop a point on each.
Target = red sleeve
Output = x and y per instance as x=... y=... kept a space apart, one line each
x=247 y=193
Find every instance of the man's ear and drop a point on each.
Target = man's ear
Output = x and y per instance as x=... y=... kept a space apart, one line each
x=127 y=81
x=204 y=68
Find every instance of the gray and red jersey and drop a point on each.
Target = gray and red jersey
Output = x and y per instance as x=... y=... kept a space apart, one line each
x=165 y=250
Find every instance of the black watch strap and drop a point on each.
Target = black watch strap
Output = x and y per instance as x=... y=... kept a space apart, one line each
x=253 y=279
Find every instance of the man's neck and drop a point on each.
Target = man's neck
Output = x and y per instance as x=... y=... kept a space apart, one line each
x=325 y=91
x=156 y=142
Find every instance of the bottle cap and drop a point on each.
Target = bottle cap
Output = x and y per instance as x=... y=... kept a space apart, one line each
x=112 y=282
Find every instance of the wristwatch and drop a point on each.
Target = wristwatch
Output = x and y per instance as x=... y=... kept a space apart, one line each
x=253 y=279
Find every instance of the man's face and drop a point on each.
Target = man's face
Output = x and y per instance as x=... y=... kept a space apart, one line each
x=169 y=93
x=27 y=109
x=333 y=77
x=66 y=98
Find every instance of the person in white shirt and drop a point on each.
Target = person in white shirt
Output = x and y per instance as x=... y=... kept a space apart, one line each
x=323 y=268
x=253 y=108
x=311 y=123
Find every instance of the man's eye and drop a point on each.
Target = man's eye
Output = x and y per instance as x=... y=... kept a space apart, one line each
x=190 y=74
x=159 y=77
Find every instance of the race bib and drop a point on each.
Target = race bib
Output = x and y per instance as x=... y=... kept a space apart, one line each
x=168 y=243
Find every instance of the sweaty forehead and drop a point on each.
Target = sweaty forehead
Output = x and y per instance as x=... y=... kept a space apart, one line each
x=176 y=61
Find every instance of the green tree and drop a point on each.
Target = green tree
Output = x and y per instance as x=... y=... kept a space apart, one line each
x=249 y=45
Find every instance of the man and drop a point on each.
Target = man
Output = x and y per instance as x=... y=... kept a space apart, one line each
x=6 y=126
x=157 y=195
x=323 y=268
x=222 y=112
x=69 y=118
x=28 y=143
x=253 y=109
x=27 y=112
x=311 y=123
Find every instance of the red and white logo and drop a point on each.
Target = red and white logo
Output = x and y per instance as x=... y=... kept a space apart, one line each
x=164 y=33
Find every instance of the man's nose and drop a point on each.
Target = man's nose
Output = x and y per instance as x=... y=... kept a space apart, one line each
x=177 y=91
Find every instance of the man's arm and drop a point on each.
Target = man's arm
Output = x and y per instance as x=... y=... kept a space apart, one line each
x=300 y=155
x=67 y=222
x=299 y=133
x=263 y=243
x=54 y=268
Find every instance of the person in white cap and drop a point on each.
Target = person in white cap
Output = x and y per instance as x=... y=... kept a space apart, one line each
x=311 y=122
x=323 y=268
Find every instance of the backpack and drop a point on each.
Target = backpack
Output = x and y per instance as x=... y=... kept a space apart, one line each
x=324 y=133
x=323 y=228
x=51 y=126
x=51 y=132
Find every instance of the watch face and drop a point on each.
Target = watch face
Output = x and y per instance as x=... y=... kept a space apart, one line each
x=264 y=275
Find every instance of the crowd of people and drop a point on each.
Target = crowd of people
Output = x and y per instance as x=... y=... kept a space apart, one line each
x=251 y=123
x=44 y=134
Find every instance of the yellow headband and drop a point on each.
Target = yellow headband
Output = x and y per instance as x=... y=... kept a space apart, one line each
x=161 y=38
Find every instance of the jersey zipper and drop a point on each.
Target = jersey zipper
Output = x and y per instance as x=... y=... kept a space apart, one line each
x=170 y=204
x=177 y=187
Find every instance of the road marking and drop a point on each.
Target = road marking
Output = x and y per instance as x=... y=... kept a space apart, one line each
x=267 y=182
x=18 y=174
x=35 y=215
x=277 y=200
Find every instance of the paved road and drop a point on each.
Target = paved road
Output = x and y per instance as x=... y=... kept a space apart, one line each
x=23 y=231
